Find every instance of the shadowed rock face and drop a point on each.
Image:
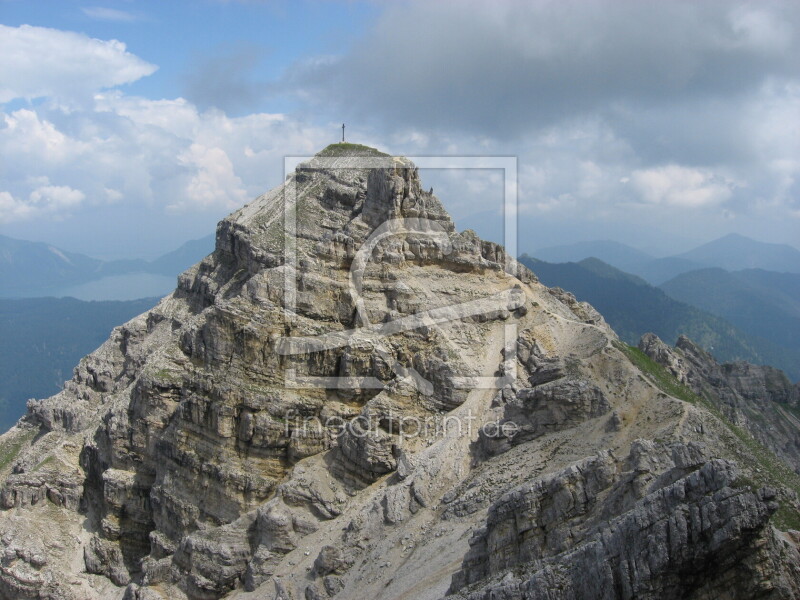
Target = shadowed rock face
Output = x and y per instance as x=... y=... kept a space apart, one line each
x=688 y=533
x=202 y=451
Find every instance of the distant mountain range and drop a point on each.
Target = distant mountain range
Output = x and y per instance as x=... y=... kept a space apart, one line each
x=633 y=307
x=735 y=251
x=42 y=339
x=731 y=252
x=32 y=269
x=758 y=302
x=621 y=256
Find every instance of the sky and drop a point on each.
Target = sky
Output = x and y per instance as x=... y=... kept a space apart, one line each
x=128 y=127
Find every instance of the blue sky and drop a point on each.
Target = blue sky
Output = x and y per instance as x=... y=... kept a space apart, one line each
x=183 y=36
x=129 y=127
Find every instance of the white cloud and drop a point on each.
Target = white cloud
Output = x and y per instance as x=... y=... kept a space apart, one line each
x=700 y=99
x=214 y=181
x=12 y=209
x=675 y=185
x=50 y=200
x=627 y=119
x=564 y=202
x=101 y=13
x=35 y=137
x=161 y=155
x=112 y=195
x=56 y=197
x=43 y=62
x=176 y=117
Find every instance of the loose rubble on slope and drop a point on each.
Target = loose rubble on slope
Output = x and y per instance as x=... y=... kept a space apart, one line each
x=201 y=451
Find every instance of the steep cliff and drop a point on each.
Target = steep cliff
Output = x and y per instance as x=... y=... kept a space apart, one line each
x=348 y=398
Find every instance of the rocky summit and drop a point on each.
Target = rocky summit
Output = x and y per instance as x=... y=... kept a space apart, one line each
x=351 y=399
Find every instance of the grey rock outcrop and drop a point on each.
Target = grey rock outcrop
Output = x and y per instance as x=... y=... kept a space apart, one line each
x=669 y=539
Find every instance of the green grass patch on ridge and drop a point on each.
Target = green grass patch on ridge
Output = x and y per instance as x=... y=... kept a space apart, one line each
x=348 y=149
x=767 y=468
x=49 y=460
x=658 y=375
x=10 y=450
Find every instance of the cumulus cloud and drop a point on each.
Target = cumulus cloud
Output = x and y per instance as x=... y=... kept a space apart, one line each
x=115 y=149
x=34 y=137
x=58 y=196
x=618 y=112
x=162 y=154
x=52 y=200
x=43 y=62
x=11 y=209
x=214 y=181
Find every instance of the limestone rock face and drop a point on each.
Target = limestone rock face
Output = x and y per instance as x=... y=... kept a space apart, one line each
x=350 y=399
x=594 y=530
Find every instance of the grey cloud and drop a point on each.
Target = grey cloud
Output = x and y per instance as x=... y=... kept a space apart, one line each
x=587 y=93
x=224 y=80
x=500 y=69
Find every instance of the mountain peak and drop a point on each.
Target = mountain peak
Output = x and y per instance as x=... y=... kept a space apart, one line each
x=348 y=149
x=737 y=237
x=284 y=427
x=341 y=196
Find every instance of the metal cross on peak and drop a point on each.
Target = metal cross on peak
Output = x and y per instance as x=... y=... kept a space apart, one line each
x=343 y=133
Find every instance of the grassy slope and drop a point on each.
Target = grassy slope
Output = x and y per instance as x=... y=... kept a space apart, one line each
x=767 y=469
